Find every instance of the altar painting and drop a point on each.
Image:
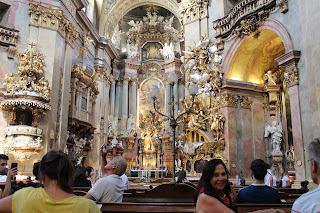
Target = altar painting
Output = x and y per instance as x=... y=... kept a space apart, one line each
x=151 y=50
x=149 y=120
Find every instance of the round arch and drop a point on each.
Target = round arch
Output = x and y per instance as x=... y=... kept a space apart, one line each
x=269 y=24
x=155 y=78
x=110 y=20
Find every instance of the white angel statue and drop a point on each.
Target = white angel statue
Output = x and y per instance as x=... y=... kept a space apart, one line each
x=276 y=136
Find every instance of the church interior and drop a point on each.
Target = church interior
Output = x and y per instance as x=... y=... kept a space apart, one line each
x=167 y=84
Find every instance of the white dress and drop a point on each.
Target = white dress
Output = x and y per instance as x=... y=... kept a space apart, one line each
x=284 y=180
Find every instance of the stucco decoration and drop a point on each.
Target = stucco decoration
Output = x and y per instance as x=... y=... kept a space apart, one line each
x=112 y=16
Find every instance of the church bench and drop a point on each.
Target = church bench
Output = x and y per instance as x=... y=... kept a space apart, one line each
x=148 y=207
x=80 y=191
x=165 y=193
x=244 y=207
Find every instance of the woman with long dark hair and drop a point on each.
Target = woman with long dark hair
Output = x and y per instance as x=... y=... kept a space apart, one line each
x=56 y=174
x=213 y=193
x=80 y=179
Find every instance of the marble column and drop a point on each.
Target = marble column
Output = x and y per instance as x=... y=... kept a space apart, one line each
x=228 y=109
x=290 y=61
x=168 y=99
x=181 y=94
x=176 y=99
x=112 y=100
x=117 y=110
x=133 y=98
x=124 y=104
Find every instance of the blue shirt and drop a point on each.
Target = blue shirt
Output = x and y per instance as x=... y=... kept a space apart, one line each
x=258 y=194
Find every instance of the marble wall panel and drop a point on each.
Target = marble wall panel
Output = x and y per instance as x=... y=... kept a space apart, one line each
x=191 y=34
x=258 y=124
x=230 y=135
x=247 y=140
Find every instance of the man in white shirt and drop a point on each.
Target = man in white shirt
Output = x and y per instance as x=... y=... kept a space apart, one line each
x=110 y=187
x=310 y=202
x=125 y=180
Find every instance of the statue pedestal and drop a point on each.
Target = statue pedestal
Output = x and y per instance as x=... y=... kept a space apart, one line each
x=277 y=158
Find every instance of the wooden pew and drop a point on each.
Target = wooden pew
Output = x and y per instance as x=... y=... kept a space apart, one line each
x=254 y=207
x=148 y=207
x=165 y=193
x=80 y=191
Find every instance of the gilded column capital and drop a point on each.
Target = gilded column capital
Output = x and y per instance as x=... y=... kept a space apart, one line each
x=292 y=77
x=228 y=100
x=125 y=79
x=246 y=101
x=134 y=81
x=54 y=19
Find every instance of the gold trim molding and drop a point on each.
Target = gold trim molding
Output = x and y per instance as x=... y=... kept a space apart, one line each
x=54 y=19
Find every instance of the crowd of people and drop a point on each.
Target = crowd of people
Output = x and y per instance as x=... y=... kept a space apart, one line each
x=56 y=175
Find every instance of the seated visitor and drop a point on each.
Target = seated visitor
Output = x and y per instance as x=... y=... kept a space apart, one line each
x=125 y=180
x=268 y=179
x=90 y=175
x=258 y=192
x=36 y=182
x=213 y=191
x=6 y=175
x=310 y=202
x=56 y=172
x=80 y=179
x=110 y=187
x=182 y=177
x=285 y=178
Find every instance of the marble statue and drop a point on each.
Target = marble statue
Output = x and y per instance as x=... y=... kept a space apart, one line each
x=132 y=50
x=114 y=142
x=168 y=51
x=276 y=136
x=111 y=127
x=131 y=126
x=167 y=24
x=116 y=38
x=135 y=26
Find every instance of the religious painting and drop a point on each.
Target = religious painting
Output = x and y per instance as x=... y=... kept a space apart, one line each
x=149 y=120
x=151 y=50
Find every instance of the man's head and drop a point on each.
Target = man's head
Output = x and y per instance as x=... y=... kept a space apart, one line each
x=117 y=165
x=314 y=154
x=3 y=163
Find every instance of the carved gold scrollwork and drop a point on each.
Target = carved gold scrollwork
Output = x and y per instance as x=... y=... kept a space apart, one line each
x=292 y=77
x=228 y=100
x=246 y=102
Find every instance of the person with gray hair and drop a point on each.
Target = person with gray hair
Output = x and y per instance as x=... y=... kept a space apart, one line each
x=110 y=187
x=310 y=202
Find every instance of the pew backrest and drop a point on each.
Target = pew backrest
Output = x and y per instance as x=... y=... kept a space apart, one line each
x=244 y=207
x=148 y=207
